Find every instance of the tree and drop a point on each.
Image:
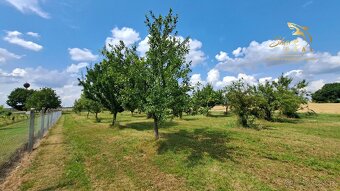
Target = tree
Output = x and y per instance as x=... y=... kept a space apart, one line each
x=165 y=65
x=44 y=98
x=267 y=98
x=329 y=93
x=18 y=97
x=105 y=81
x=241 y=98
x=132 y=94
x=78 y=106
x=290 y=97
x=206 y=98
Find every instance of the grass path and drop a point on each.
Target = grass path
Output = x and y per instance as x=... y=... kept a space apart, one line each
x=43 y=168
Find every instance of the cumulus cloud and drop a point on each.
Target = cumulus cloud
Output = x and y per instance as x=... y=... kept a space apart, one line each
x=29 y=6
x=195 y=55
x=74 y=68
x=14 y=37
x=125 y=34
x=222 y=56
x=213 y=76
x=195 y=79
x=82 y=55
x=262 y=55
x=5 y=55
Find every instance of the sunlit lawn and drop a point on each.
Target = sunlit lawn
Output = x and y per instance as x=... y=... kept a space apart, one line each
x=199 y=153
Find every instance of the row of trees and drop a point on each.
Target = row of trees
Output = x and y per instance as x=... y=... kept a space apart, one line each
x=23 y=99
x=88 y=105
x=158 y=84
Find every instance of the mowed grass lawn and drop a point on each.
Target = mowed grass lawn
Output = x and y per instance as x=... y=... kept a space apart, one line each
x=195 y=153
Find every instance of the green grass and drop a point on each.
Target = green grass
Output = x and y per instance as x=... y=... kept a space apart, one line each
x=200 y=153
x=14 y=136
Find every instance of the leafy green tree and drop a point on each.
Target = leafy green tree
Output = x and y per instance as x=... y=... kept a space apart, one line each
x=44 y=98
x=241 y=98
x=290 y=97
x=329 y=93
x=18 y=97
x=132 y=94
x=105 y=81
x=268 y=102
x=206 y=98
x=165 y=65
x=78 y=106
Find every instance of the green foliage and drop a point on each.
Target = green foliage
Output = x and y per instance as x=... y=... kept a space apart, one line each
x=44 y=98
x=18 y=97
x=89 y=105
x=262 y=100
x=105 y=81
x=329 y=93
x=205 y=98
x=242 y=100
x=166 y=75
x=290 y=97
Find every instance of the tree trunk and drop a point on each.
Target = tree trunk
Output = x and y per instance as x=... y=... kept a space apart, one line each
x=226 y=109
x=114 y=118
x=180 y=115
x=97 y=117
x=131 y=113
x=155 y=128
x=87 y=114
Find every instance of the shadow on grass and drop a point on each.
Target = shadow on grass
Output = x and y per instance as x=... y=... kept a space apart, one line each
x=200 y=143
x=145 y=125
x=287 y=120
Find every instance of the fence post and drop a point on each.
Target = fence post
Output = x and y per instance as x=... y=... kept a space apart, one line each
x=42 y=115
x=48 y=119
x=31 y=131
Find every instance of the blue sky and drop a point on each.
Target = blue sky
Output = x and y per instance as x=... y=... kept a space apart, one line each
x=48 y=43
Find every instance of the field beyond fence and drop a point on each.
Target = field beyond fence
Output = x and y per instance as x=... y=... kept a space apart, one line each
x=15 y=139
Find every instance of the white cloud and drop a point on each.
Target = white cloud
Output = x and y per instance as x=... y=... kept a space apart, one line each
x=5 y=55
x=313 y=86
x=74 y=68
x=143 y=46
x=195 y=55
x=213 y=76
x=324 y=63
x=222 y=56
x=13 y=37
x=195 y=79
x=29 y=6
x=33 y=34
x=260 y=54
x=265 y=79
x=82 y=55
x=238 y=52
x=125 y=34
x=18 y=72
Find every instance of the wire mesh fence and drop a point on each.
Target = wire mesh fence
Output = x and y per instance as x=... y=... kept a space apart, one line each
x=19 y=137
